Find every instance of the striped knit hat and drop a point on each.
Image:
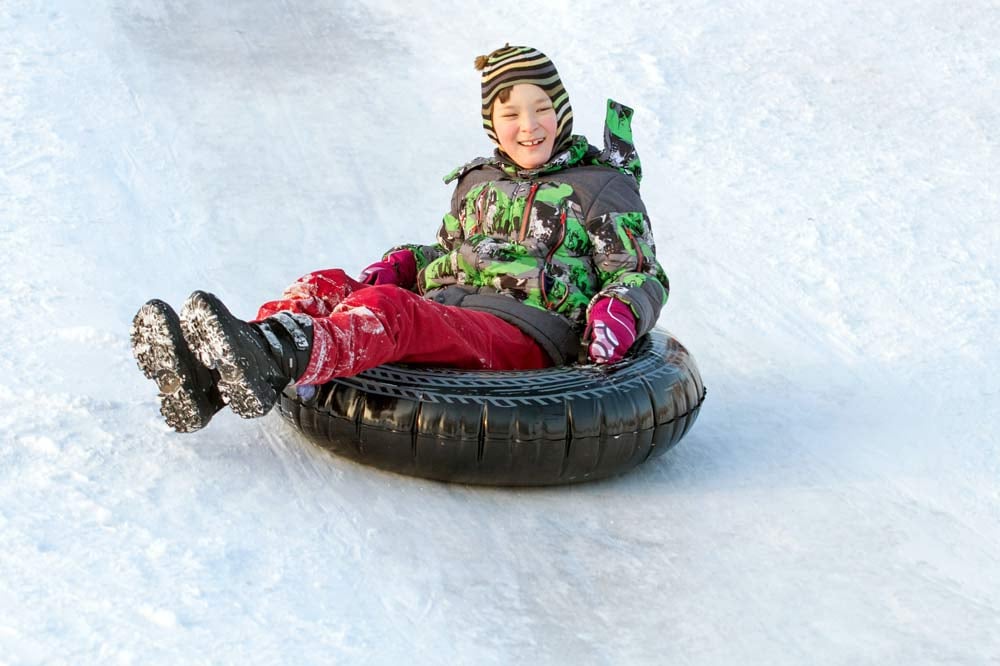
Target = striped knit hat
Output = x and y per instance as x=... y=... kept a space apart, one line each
x=511 y=65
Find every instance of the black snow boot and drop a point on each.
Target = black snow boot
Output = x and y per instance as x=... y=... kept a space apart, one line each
x=189 y=396
x=255 y=361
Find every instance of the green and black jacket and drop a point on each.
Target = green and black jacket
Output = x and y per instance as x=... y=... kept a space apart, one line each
x=538 y=247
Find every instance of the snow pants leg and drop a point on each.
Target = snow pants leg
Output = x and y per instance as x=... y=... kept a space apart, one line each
x=358 y=326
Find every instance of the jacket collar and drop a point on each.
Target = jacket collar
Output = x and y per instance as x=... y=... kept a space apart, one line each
x=570 y=156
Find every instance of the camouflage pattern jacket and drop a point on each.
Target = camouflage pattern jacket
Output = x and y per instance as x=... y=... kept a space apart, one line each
x=538 y=247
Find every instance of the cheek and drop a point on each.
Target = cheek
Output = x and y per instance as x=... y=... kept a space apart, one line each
x=504 y=129
x=510 y=130
x=549 y=124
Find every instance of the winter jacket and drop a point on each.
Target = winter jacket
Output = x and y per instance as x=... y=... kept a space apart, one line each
x=538 y=247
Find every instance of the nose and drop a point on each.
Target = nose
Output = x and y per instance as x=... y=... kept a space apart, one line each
x=529 y=121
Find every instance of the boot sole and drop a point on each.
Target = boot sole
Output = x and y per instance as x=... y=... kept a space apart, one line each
x=208 y=328
x=163 y=356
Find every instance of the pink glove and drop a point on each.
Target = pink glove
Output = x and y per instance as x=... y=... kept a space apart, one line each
x=399 y=268
x=611 y=330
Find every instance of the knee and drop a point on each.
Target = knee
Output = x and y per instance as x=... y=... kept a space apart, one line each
x=321 y=284
x=385 y=298
x=326 y=276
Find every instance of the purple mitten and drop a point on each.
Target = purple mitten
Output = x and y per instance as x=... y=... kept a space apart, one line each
x=399 y=268
x=611 y=330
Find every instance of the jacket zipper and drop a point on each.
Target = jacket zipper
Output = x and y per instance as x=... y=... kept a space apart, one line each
x=527 y=213
x=641 y=259
x=480 y=207
x=548 y=258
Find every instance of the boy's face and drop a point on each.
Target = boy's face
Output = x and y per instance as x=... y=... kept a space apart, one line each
x=526 y=125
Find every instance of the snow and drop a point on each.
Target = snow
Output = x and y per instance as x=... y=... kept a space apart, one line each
x=823 y=183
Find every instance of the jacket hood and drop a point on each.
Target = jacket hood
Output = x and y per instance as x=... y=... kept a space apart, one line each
x=619 y=150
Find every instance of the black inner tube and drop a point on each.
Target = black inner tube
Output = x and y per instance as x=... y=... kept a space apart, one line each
x=559 y=425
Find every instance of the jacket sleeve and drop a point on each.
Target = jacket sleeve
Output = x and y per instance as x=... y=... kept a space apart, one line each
x=449 y=235
x=624 y=253
x=425 y=254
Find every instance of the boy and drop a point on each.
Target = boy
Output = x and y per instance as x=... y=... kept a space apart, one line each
x=547 y=245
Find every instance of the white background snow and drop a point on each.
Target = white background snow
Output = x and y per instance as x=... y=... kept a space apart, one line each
x=823 y=180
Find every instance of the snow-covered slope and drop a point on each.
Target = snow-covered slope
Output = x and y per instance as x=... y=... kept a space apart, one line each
x=823 y=181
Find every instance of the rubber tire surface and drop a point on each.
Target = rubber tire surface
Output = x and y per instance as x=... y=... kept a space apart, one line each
x=526 y=428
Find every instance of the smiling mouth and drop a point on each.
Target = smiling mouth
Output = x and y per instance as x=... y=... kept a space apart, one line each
x=532 y=143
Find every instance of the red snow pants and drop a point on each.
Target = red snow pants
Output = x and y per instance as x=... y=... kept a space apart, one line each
x=358 y=326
